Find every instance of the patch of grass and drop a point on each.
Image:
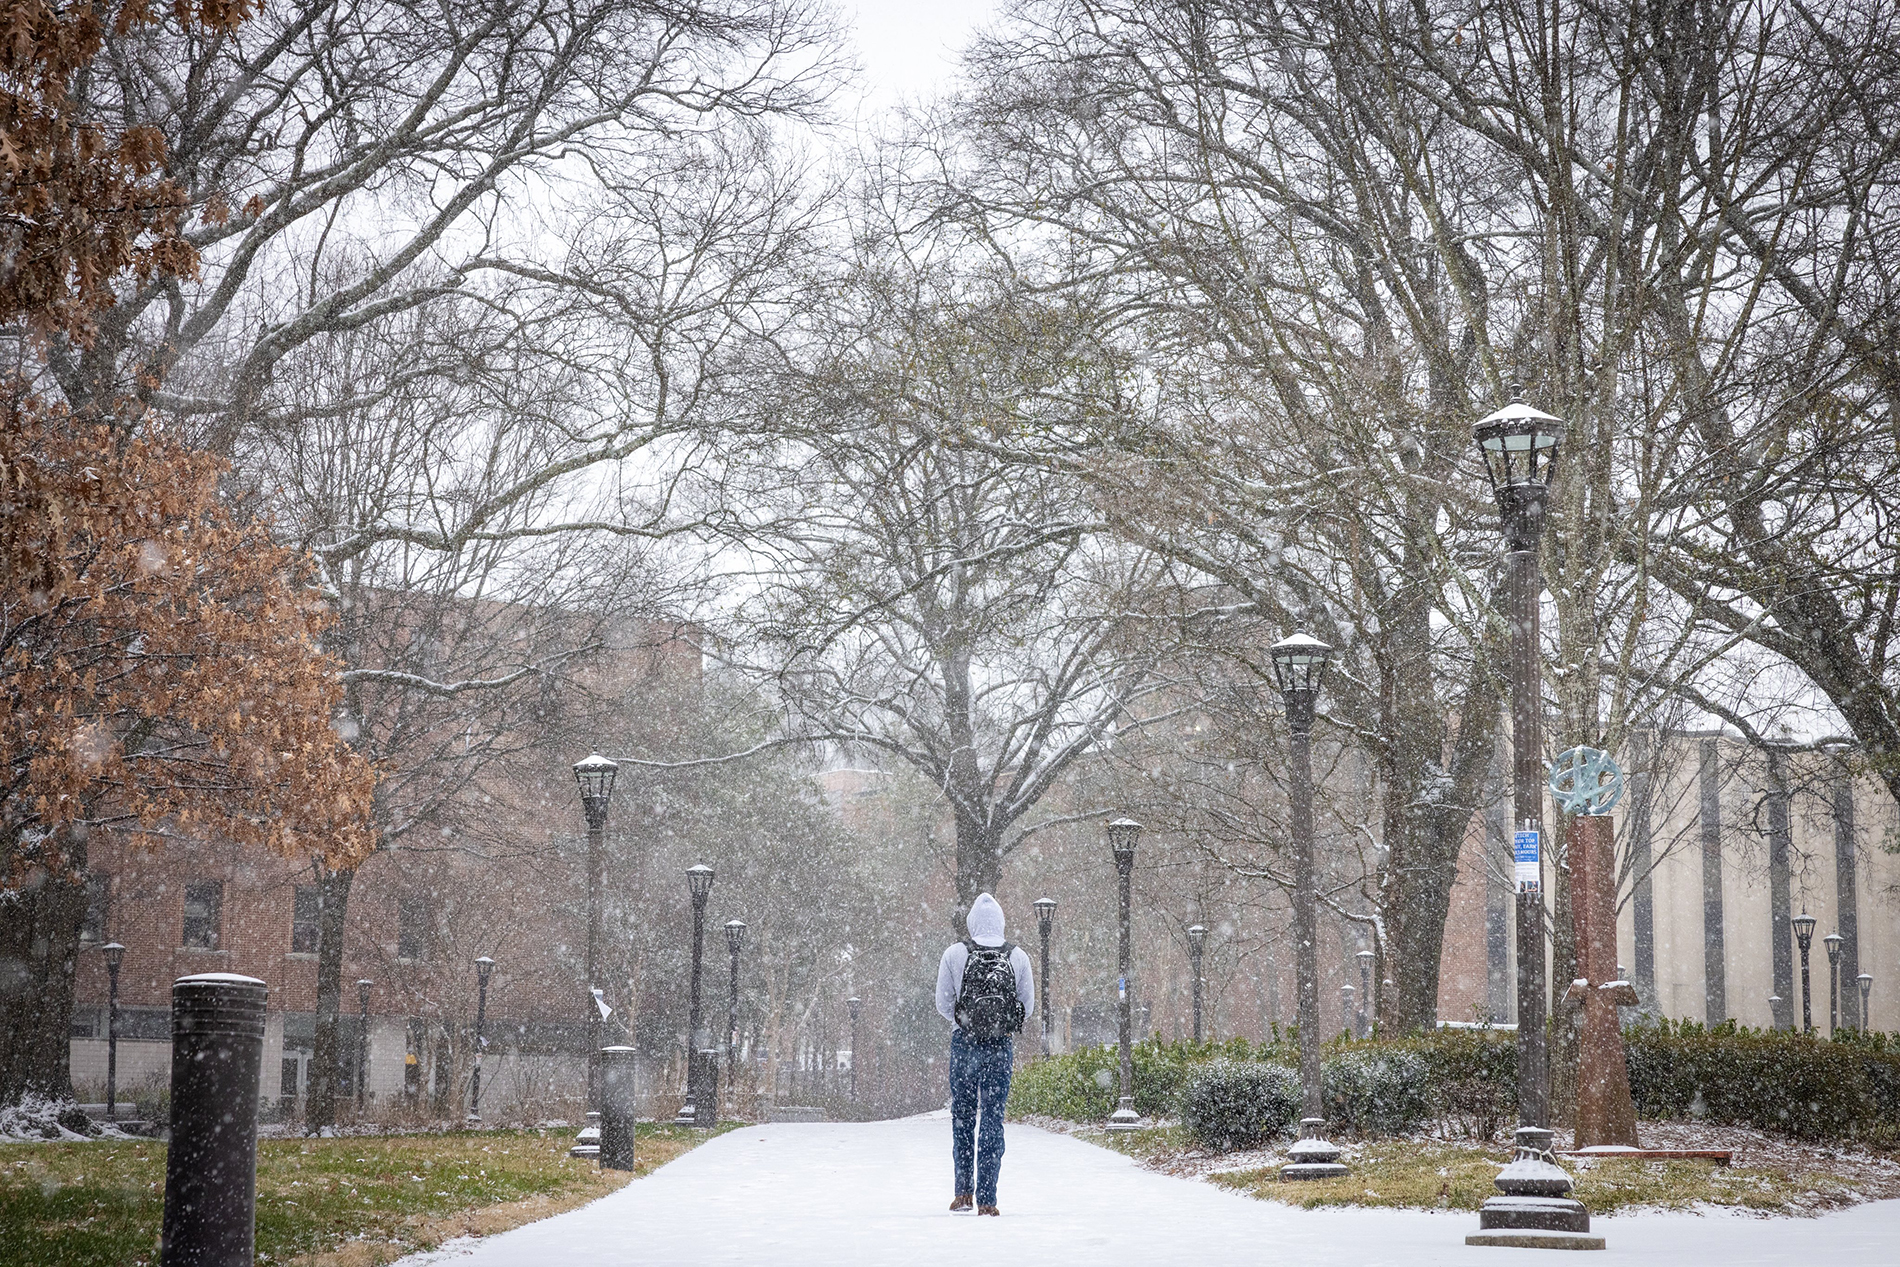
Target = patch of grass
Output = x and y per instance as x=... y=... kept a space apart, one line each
x=1143 y=1143
x=100 y=1204
x=1419 y=1174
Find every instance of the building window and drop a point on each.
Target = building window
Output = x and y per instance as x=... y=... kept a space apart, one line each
x=412 y=928
x=305 y=920
x=98 y=902
x=204 y=914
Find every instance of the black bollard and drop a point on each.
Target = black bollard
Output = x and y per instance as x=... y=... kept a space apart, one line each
x=617 y=1108
x=211 y=1166
x=706 y=1094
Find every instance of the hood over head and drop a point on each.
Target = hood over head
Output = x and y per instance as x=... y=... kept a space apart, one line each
x=985 y=921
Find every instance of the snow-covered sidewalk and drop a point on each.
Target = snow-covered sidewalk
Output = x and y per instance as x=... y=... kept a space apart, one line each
x=794 y=1195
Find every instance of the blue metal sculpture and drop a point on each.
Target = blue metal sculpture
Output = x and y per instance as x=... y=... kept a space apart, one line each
x=1586 y=781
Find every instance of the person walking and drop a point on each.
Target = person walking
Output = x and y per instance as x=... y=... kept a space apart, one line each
x=984 y=989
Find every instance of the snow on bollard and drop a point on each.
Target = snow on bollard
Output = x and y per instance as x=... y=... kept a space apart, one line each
x=617 y=1108
x=211 y=1166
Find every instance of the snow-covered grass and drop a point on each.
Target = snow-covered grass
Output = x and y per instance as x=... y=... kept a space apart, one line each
x=353 y=1201
x=37 y=1118
x=1771 y=1174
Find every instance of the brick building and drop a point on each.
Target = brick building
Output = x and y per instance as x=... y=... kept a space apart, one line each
x=418 y=916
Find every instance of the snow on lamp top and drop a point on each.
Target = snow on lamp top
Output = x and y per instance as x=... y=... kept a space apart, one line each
x=1518 y=443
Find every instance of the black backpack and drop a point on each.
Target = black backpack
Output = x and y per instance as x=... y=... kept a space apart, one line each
x=987 y=1006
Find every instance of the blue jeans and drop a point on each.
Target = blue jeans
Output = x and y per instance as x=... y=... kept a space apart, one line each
x=979 y=1085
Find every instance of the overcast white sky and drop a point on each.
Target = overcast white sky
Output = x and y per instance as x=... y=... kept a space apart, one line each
x=907 y=49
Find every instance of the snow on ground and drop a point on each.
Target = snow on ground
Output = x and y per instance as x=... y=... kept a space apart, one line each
x=820 y=1195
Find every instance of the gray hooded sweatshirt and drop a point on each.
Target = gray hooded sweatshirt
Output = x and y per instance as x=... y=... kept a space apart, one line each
x=985 y=922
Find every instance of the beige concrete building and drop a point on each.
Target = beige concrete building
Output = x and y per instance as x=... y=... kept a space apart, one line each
x=1739 y=839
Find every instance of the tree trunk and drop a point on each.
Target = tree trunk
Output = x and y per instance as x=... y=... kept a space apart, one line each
x=326 y=1061
x=979 y=865
x=1429 y=807
x=39 y=949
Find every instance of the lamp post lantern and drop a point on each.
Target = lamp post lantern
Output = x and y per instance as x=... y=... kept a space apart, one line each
x=114 y=956
x=1045 y=924
x=483 y=967
x=1803 y=926
x=699 y=882
x=1833 y=942
x=1123 y=835
x=362 y=1040
x=594 y=775
x=735 y=942
x=1365 y=958
x=1197 y=937
x=1866 y=983
x=1519 y=446
x=853 y=1005
x=1299 y=662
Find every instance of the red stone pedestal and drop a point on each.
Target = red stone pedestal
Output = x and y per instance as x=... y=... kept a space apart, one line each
x=1605 y=1112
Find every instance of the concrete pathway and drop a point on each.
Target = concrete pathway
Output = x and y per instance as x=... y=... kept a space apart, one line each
x=806 y=1195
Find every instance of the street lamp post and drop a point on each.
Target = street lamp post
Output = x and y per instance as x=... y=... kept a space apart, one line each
x=1365 y=958
x=594 y=774
x=1299 y=662
x=1348 y=1024
x=1803 y=926
x=114 y=956
x=699 y=882
x=735 y=941
x=483 y=967
x=1197 y=937
x=1123 y=835
x=1045 y=924
x=362 y=1040
x=1866 y=983
x=853 y=1005
x=1833 y=942
x=1519 y=446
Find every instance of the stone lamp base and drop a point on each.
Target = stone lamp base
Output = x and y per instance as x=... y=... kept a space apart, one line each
x=1124 y=1118
x=587 y=1143
x=1313 y=1156
x=1534 y=1208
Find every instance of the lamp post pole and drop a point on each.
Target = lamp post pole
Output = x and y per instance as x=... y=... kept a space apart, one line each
x=1196 y=936
x=1045 y=924
x=1803 y=926
x=1299 y=662
x=1123 y=835
x=595 y=776
x=1833 y=942
x=1365 y=958
x=699 y=882
x=853 y=1005
x=1866 y=983
x=1519 y=446
x=362 y=1041
x=483 y=967
x=735 y=941
x=114 y=956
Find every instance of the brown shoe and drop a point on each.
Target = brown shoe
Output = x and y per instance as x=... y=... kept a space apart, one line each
x=987 y=1209
x=963 y=1202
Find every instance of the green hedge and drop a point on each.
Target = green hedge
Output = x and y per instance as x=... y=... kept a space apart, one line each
x=1229 y=1104
x=1084 y=1085
x=1465 y=1082
x=1805 y=1086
